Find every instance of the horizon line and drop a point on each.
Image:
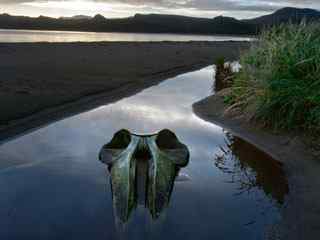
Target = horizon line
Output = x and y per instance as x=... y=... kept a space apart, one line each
x=163 y=14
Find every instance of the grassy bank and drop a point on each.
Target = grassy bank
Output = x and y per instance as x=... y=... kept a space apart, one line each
x=279 y=83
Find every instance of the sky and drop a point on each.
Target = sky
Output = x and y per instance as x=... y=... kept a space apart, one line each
x=124 y=8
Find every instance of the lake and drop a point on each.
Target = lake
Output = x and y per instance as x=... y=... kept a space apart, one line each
x=53 y=185
x=67 y=36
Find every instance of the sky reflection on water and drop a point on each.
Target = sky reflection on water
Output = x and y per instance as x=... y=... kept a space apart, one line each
x=53 y=186
x=9 y=35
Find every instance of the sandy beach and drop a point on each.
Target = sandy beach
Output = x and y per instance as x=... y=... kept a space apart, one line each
x=42 y=81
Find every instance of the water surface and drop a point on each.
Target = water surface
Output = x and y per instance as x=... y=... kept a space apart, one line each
x=67 y=36
x=54 y=187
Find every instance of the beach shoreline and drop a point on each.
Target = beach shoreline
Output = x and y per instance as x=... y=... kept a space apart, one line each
x=45 y=82
x=301 y=211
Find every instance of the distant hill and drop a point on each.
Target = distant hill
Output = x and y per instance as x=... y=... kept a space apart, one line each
x=285 y=15
x=151 y=23
x=76 y=17
x=158 y=23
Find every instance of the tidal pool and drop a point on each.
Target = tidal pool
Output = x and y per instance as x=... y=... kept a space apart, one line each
x=53 y=185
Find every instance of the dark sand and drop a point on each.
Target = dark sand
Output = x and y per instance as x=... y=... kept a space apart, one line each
x=42 y=82
x=301 y=215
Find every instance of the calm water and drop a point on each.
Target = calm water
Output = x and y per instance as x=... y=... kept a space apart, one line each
x=53 y=186
x=64 y=36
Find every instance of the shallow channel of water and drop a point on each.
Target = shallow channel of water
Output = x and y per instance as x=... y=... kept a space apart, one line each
x=11 y=35
x=53 y=186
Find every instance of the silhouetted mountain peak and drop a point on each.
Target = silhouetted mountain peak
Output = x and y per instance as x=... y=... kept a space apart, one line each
x=77 y=17
x=160 y=23
x=291 y=10
x=99 y=17
x=285 y=15
x=44 y=17
x=225 y=19
x=155 y=16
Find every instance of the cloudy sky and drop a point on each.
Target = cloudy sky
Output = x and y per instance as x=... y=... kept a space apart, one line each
x=124 y=8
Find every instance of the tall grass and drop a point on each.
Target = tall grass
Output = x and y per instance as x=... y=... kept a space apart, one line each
x=279 y=83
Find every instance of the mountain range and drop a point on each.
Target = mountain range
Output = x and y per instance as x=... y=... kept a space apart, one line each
x=159 y=23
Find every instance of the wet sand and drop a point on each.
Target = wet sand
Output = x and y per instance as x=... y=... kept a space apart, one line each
x=302 y=212
x=43 y=82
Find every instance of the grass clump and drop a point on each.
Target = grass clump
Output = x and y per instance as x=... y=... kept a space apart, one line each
x=224 y=75
x=279 y=82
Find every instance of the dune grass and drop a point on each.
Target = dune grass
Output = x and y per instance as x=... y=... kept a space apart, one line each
x=279 y=83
